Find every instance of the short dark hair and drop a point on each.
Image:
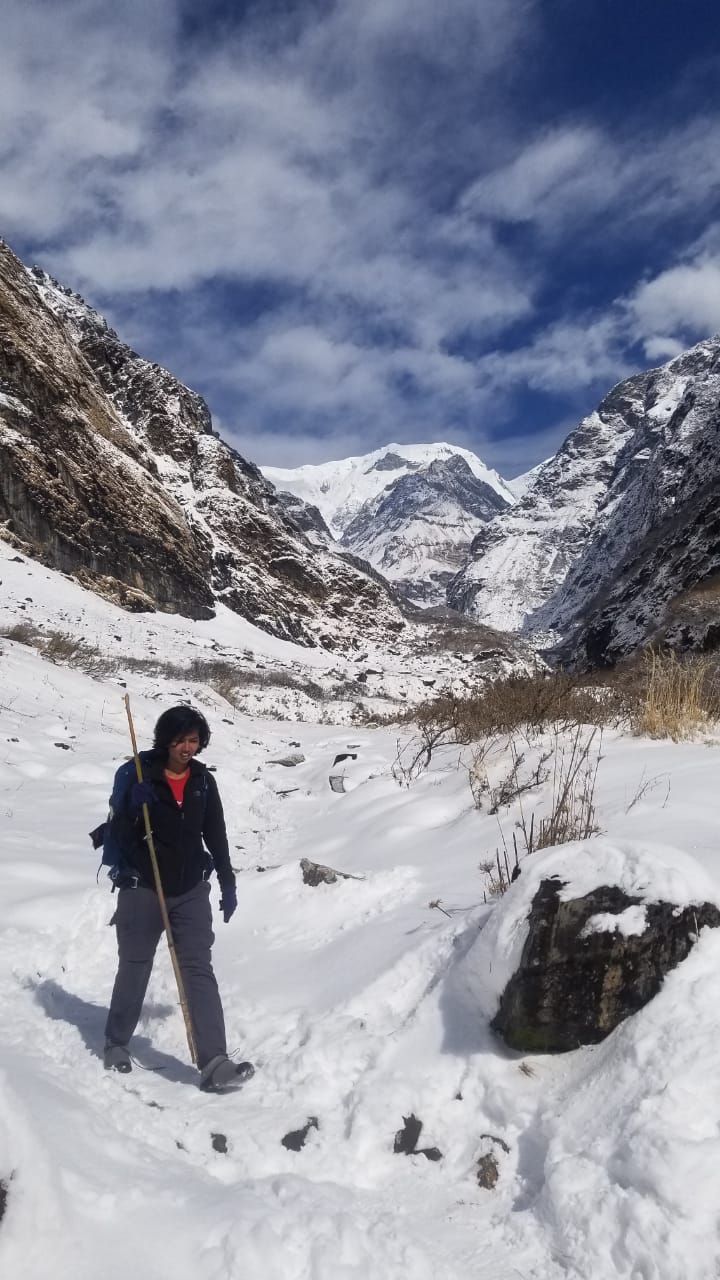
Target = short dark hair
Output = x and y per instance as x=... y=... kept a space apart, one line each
x=178 y=721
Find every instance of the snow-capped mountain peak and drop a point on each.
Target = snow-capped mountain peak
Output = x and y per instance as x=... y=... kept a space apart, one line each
x=410 y=510
x=339 y=489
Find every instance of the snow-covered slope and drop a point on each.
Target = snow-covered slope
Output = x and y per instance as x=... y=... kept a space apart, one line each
x=410 y=510
x=519 y=485
x=616 y=527
x=361 y=1003
x=257 y=672
x=521 y=560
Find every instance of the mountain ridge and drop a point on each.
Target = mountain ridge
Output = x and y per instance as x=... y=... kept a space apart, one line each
x=617 y=528
x=111 y=471
x=411 y=511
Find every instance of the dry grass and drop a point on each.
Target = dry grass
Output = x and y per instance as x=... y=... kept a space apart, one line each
x=228 y=679
x=60 y=647
x=659 y=694
x=69 y=651
x=679 y=697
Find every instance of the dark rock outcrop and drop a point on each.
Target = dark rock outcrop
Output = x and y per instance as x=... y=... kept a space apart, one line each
x=316 y=873
x=487 y=1169
x=307 y=517
x=574 y=986
x=74 y=487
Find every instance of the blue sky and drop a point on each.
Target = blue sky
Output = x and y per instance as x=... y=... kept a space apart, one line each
x=349 y=222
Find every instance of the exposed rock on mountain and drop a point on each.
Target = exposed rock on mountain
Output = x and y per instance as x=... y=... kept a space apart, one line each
x=617 y=539
x=110 y=471
x=411 y=511
x=307 y=518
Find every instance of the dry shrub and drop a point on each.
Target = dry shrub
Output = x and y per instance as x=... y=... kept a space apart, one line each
x=152 y=667
x=572 y=809
x=224 y=677
x=231 y=681
x=21 y=633
x=60 y=647
x=413 y=757
x=573 y=761
x=500 y=783
x=523 y=776
x=679 y=696
x=478 y=775
x=498 y=876
x=531 y=703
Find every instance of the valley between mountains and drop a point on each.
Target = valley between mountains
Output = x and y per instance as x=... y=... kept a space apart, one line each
x=340 y=625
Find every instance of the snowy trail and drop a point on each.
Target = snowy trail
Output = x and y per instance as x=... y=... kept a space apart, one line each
x=123 y=1164
x=87 y=1134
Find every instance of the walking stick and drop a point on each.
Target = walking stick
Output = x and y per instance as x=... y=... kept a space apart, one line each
x=161 y=898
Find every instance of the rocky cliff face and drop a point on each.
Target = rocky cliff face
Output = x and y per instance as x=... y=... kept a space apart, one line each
x=617 y=539
x=110 y=471
x=411 y=511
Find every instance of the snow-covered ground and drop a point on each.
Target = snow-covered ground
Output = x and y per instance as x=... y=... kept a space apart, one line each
x=273 y=677
x=359 y=1002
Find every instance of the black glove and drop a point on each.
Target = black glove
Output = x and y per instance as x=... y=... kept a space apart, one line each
x=228 y=902
x=142 y=793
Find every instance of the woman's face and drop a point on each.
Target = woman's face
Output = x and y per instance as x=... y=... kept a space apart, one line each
x=182 y=750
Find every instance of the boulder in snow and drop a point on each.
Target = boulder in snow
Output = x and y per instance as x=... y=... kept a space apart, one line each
x=487 y=1168
x=588 y=962
x=289 y=761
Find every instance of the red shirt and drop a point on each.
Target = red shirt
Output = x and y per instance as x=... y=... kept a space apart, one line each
x=177 y=786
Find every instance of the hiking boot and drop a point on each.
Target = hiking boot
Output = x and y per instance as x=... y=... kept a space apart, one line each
x=116 y=1058
x=222 y=1073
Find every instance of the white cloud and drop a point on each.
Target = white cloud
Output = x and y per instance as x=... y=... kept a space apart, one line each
x=662 y=349
x=565 y=357
x=292 y=163
x=558 y=169
x=682 y=302
x=79 y=87
x=579 y=172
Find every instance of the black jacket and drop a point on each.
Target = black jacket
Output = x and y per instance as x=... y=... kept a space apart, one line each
x=189 y=840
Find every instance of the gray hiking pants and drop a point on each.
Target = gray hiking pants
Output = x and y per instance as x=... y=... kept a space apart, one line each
x=139 y=928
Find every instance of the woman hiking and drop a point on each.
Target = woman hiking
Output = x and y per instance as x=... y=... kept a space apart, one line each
x=190 y=840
